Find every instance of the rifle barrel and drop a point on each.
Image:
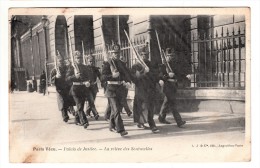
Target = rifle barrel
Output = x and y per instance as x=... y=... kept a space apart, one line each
x=136 y=53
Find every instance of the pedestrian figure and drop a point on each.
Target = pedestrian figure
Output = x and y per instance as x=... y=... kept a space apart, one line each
x=145 y=91
x=117 y=76
x=94 y=75
x=170 y=89
x=58 y=75
x=12 y=86
x=43 y=82
x=80 y=89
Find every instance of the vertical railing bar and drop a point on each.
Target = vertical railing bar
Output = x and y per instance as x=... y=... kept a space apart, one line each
x=239 y=57
x=205 y=58
x=211 y=62
x=228 y=59
x=221 y=57
x=234 y=57
x=199 y=62
x=194 y=69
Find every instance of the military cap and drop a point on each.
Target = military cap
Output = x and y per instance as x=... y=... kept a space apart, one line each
x=144 y=49
x=77 y=54
x=169 y=52
x=115 y=48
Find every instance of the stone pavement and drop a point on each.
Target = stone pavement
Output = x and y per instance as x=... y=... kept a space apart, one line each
x=38 y=134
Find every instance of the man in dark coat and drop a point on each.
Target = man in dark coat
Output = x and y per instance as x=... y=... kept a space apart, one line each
x=94 y=75
x=43 y=82
x=117 y=76
x=62 y=87
x=169 y=85
x=80 y=89
x=145 y=80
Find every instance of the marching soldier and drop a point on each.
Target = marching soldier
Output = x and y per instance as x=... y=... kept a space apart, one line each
x=94 y=74
x=71 y=109
x=170 y=89
x=145 y=87
x=123 y=101
x=117 y=76
x=80 y=89
x=62 y=88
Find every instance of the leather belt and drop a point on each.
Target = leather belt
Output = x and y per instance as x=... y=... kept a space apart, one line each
x=172 y=80
x=115 y=82
x=79 y=83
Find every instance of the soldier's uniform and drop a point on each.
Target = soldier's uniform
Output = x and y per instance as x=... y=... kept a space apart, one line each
x=123 y=102
x=62 y=89
x=115 y=87
x=80 y=90
x=94 y=75
x=170 y=90
x=145 y=91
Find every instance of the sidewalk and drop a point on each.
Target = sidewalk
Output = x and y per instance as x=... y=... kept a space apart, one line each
x=36 y=125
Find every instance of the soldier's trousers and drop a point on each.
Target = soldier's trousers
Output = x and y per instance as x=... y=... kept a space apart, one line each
x=107 y=111
x=115 y=117
x=140 y=105
x=80 y=116
x=169 y=104
x=63 y=104
x=92 y=108
x=123 y=104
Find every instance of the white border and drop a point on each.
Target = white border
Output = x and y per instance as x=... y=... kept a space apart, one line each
x=255 y=73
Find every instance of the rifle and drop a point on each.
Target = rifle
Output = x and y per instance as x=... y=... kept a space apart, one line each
x=55 y=63
x=83 y=53
x=163 y=57
x=138 y=57
x=104 y=52
x=75 y=66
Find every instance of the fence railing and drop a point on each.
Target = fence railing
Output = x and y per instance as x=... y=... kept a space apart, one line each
x=126 y=52
x=218 y=60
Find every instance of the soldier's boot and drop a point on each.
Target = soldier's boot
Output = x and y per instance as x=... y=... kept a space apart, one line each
x=77 y=122
x=88 y=112
x=96 y=115
x=178 y=119
x=71 y=110
x=123 y=133
x=65 y=115
x=86 y=125
x=181 y=124
x=155 y=130
x=141 y=125
x=163 y=120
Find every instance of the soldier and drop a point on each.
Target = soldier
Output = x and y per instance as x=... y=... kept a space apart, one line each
x=71 y=109
x=117 y=76
x=62 y=87
x=94 y=74
x=80 y=89
x=145 y=87
x=170 y=89
x=123 y=102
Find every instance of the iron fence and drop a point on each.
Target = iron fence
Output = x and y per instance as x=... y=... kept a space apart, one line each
x=218 y=61
x=126 y=52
